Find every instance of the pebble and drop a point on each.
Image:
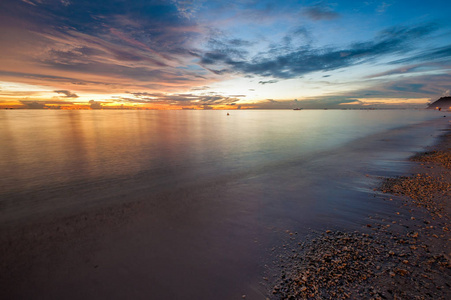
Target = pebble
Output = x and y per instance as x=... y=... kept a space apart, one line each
x=387 y=262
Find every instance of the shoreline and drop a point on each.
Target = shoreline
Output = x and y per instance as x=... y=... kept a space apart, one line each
x=221 y=241
x=403 y=256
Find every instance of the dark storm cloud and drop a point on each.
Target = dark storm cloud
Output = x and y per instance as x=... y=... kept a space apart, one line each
x=305 y=60
x=67 y=93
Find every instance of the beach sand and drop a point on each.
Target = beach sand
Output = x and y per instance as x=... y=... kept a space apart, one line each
x=402 y=255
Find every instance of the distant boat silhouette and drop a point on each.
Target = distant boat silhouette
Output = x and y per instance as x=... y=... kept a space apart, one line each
x=297 y=108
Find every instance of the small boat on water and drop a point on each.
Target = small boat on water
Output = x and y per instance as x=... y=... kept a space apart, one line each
x=297 y=108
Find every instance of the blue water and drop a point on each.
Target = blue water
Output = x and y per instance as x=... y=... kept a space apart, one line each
x=212 y=190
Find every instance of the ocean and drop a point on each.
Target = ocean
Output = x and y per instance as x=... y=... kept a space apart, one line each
x=185 y=204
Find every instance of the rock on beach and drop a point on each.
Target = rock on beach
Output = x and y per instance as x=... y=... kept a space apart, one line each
x=407 y=257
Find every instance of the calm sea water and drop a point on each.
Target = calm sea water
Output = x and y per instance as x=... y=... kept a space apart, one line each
x=50 y=148
x=216 y=189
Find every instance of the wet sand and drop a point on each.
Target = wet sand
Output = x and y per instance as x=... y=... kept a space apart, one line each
x=404 y=254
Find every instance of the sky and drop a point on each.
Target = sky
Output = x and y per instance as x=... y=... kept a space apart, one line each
x=199 y=54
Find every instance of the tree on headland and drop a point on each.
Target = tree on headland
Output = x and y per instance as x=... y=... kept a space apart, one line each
x=442 y=103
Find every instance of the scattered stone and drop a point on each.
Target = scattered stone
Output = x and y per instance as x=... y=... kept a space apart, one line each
x=386 y=262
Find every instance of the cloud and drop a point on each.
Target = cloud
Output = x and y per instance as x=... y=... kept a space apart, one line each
x=119 y=43
x=404 y=92
x=435 y=54
x=425 y=86
x=33 y=104
x=180 y=99
x=178 y=50
x=43 y=104
x=268 y=81
x=187 y=8
x=67 y=93
x=200 y=88
x=383 y=7
x=309 y=103
x=222 y=49
x=95 y=104
x=81 y=84
x=329 y=102
x=321 y=11
x=65 y=2
x=417 y=69
x=305 y=60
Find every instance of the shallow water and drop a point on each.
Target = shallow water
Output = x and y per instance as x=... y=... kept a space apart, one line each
x=211 y=192
x=44 y=149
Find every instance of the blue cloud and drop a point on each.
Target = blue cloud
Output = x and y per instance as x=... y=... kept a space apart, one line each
x=428 y=55
x=305 y=60
x=320 y=11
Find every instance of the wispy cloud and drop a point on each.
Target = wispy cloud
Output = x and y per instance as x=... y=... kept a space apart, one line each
x=144 y=42
x=383 y=7
x=440 y=53
x=424 y=86
x=305 y=60
x=67 y=93
x=178 y=50
x=187 y=99
x=268 y=81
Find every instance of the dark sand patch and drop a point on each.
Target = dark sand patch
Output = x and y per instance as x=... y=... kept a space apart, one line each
x=405 y=256
x=28 y=249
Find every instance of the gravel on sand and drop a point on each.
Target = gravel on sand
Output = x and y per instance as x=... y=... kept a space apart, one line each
x=406 y=256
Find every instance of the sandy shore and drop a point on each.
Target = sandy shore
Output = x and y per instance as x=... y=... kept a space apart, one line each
x=405 y=255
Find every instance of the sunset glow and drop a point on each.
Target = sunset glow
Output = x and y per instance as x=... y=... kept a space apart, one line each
x=212 y=55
